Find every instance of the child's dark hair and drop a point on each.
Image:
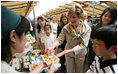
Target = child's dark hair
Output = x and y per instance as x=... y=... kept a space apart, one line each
x=108 y=34
x=47 y=25
x=6 y=53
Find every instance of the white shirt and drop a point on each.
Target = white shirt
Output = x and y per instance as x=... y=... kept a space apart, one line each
x=42 y=33
x=48 y=40
x=54 y=28
x=99 y=66
x=89 y=23
x=85 y=21
x=6 y=68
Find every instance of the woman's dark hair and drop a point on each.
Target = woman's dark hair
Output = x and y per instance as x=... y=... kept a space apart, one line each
x=47 y=25
x=113 y=13
x=61 y=21
x=108 y=34
x=40 y=17
x=38 y=26
x=6 y=53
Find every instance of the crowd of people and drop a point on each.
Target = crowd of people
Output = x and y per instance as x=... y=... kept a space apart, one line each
x=83 y=46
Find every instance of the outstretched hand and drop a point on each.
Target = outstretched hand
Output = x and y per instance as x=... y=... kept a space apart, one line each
x=64 y=52
x=60 y=54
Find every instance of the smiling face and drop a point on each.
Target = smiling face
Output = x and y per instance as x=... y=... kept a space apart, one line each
x=47 y=30
x=65 y=20
x=74 y=19
x=106 y=18
x=40 y=22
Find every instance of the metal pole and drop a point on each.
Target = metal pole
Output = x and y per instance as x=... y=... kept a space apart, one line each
x=93 y=5
x=34 y=16
x=35 y=25
x=93 y=14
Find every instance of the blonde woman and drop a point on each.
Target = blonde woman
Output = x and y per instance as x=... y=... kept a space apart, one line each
x=77 y=35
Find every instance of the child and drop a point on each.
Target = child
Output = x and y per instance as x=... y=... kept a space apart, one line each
x=105 y=47
x=48 y=39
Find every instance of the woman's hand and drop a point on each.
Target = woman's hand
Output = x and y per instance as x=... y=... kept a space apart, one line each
x=38 y=69
x=67 y=51
x=60 y=54
x=52 y=69
x=64 y=52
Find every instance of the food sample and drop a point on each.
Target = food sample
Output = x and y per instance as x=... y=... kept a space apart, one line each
x=50 y=59
x=34 y=66
x=16 y=64
x=26 y=59
x=26 y=65
x=36 y=52
x=30 y=39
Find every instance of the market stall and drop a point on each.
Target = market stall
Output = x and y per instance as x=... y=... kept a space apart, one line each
x=31 y=58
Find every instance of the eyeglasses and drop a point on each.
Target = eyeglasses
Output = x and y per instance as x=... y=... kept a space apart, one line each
x=96 y=44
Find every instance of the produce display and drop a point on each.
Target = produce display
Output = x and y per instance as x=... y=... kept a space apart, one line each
x=26 y=62
x=30 y=38
x=21 y=65
x=32 y=41
x=49 y=59
x=36 y=52
x=16 y=64
x=32 y=59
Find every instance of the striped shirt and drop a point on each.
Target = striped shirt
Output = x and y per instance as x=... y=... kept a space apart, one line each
x=99 y=66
